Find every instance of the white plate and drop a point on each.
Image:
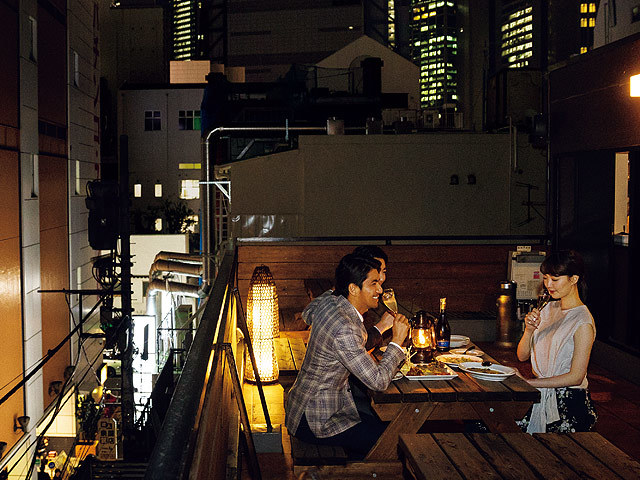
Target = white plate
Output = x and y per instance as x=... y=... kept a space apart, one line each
x=450 y=375
x=397 y=376
x=454 y=360
x=505 y=372
x=459 y=341
x=461 y=351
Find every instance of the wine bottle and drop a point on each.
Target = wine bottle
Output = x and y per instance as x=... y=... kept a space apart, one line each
x=443 y=330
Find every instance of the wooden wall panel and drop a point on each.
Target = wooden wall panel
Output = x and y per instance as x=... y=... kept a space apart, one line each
x=468 y=275
x=10 y=294
x=54 y=265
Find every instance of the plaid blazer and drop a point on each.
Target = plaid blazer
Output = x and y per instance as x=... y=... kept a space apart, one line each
x=336 y=348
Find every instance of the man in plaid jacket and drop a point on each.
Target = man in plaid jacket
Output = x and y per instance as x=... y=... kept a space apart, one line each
x=320 y=406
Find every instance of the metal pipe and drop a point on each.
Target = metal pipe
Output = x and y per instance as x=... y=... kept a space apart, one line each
x=183 y=257
x=179 y=288
x=188 y=269
x=207 y=186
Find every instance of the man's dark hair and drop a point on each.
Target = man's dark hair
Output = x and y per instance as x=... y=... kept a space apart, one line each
x=353 y=269
x=371 y=251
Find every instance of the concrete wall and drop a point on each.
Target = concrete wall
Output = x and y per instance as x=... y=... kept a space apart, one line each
x=154 y=156
x=399 y=75
x=391 y=185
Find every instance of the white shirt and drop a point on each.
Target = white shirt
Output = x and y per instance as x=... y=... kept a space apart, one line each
x=552 y=354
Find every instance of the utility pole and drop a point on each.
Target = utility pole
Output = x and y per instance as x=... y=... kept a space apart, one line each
x=126 y=332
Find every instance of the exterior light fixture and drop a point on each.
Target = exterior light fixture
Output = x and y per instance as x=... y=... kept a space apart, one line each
x=263 y=324
x=21 y=423
x=634 y=82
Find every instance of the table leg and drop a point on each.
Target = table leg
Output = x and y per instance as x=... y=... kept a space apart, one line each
x=500 y=417
x=409 y=420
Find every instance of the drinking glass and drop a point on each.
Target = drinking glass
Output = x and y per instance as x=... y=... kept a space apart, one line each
x=389 y=299
x=543 y=298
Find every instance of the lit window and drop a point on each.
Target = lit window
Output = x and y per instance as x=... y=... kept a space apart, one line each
x=583 y=22
x=152 y=120
x=592 y=22
x=592 y=7
x=158 y=190
x=583 y=49
x=583 y=8
x=35 y=178
x=76 y=68
x=189 y=119
x=33 y=39
x=77 y=177
x=137 y=190
x=189 y=166
x=189 y=189
x=192 y=223
x=158 y=225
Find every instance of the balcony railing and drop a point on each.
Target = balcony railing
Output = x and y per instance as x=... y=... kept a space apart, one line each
x=200 y=435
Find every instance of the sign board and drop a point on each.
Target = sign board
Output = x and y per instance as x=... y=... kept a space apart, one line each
x=524 y=269
x=107 y=439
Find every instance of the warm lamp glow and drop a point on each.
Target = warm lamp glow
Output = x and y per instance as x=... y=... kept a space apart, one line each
x=262 y=322
x=634 y=82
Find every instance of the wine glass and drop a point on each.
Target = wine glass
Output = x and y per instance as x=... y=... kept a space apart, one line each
x=543 y=298
x=389 y=300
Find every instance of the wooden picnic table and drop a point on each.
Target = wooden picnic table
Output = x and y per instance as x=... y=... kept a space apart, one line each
x=452 y=456
x=408 y=404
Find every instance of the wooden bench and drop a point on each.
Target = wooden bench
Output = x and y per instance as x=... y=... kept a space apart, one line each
x=290 y=355
x=451 y=456
x=326 y=462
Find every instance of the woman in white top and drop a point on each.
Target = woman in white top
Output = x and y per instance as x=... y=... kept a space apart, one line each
x=558 y=340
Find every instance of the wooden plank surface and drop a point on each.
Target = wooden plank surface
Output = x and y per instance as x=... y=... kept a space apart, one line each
x=540 y=459
x=425 y=458
x=584 y=464
x=284 y=357
x=502 y=457
x=618 y=461
x=298 y=351
x=462 y=454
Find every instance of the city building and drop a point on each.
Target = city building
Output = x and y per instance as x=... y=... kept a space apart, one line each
x=268 y=37
x=49 y=150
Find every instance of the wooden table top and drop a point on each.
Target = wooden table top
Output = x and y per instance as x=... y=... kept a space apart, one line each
x=463 y=388
x=451 y=456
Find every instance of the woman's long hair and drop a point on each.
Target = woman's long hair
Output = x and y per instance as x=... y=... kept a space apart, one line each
x=566 y=262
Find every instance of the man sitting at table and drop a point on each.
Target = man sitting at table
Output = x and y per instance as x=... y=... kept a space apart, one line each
x=320 y=406
x=374 y=333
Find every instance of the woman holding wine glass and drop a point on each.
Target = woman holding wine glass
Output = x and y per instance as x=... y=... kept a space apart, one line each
x=558 y=337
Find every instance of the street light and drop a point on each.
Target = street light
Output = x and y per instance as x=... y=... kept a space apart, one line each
x=634 y=82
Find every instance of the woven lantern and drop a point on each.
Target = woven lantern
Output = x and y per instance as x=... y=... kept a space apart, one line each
x=263 y=324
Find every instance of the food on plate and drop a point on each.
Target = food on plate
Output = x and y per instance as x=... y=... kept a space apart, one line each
x=457 y=358
x=433 y=368
x=490 y=371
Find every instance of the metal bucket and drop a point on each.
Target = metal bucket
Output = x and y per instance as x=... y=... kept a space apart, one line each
x=508 y=327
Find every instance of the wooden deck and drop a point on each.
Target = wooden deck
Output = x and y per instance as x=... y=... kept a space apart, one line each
x=617 y=403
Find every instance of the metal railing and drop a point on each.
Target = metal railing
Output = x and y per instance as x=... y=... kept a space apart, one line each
x=197 y=437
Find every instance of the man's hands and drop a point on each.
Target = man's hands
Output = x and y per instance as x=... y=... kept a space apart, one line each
x=385 y=323
x=400 y=328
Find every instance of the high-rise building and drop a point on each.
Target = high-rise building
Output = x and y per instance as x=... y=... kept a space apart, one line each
x=184 y=30
x=434 y=43
x=588 y=12
x=516 y=34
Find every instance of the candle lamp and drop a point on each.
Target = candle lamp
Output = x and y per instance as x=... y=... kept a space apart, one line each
x=423 y=338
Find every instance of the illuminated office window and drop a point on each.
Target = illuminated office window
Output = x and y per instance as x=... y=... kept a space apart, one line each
x=158 y=190
x=592 y=8
x=137 y=190
x=189 y=189
x=592 y=22
x=152 y=120
x=158 y=225
x=584 y=22
x=584 y=8
x=583 y=49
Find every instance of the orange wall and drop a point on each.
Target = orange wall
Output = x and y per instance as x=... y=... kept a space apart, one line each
x=10 y=298
x=54 y=265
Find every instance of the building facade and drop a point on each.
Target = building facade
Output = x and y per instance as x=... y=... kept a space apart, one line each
x=49 y=150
